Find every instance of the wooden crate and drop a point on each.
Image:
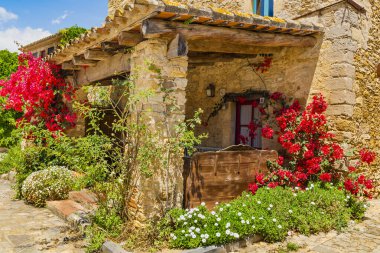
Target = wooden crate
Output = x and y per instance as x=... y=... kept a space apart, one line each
x=222 y=176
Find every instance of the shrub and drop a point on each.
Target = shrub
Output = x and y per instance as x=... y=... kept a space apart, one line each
x=11 y=160
x=53 y=183
x=271 y=213
x=70 y=33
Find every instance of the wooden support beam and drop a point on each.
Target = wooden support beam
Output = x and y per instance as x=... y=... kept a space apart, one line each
x=81 y=61
x=112 y=66
x=96 y=54
x=177 y=47
x=129 y=39
x=153 y=28
x=69 y=66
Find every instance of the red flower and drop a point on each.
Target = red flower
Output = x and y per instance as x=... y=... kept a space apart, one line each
x=255 y=104
x=272 y=184
x=267 y=132
x=361 y=179
x=294 y=148
x=337 y=152
x=252 y=127
x=260 y=178
x=367 y=156
x=326 y=149
x=280 y=160
x=318 y=105
x=368 y=184
x=325 y=177
x=243 y=139
x=276 y=96
x=253 y=188
x=351 y=169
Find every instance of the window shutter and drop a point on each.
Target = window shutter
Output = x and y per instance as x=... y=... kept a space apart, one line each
x=263 y=7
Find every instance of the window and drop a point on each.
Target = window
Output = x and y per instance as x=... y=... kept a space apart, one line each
x=263 y=7
x=248 y=124
x=35 y=54
x=50 y=50
x=42 y=54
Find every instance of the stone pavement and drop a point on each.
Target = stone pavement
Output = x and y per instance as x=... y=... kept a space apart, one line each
x=26 y=229
x=361 y=237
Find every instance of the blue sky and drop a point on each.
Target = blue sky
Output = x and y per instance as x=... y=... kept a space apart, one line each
x=28 y=20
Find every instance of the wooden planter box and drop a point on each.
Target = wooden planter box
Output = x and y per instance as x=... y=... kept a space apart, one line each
x=222 y=176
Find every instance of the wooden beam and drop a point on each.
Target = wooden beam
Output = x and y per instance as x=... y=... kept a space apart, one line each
x=113 y=66
x=129 y=39
x=96 y=54
x=177 y=47
x=69 y=66
x=81 y=61
x=153 y=28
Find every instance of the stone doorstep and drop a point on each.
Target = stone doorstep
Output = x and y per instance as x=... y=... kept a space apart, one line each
x=85 y=198
x=111 y=247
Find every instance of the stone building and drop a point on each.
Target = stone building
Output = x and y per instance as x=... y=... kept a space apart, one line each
x=207 y=50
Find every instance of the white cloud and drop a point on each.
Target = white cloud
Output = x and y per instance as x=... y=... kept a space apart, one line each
x=23 y=36
x=6 y=15
x=59 y=20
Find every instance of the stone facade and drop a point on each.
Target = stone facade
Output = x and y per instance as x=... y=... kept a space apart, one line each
x=291 y=73
x=346 y=70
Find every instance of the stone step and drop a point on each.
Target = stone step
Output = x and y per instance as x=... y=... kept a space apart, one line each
x=65 y=208
x=84 y=197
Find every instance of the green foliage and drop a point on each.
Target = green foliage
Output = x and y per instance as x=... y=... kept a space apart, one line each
x=105 y=224
x=8 y=134
x=70 y=33
x=11 y=160
x=8 y=63
x=270 y=213
x=53 y=183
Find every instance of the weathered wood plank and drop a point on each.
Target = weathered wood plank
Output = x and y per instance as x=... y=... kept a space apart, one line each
x=96 y=54
x=69 y=66
x=153 y=28
x=81 y=61
x=112 y=66
x=177 y=47
x=129 y=39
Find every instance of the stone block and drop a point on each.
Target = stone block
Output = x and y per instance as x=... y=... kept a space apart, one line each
x=344 y=125
x=342 y=97
x=343 y=70
x=341 y=83
x=111 y=247
x=340 y=110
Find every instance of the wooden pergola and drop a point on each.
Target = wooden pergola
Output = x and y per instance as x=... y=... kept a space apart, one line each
x=103 y=51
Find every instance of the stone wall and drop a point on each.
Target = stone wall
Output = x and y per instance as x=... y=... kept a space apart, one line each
x=367 y=88
x=291 y=73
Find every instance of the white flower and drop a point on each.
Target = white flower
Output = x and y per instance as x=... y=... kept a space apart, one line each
x=228 y=232
x=193 y=236
x=253 y=226
x=312 y=203
x=294 y=194
x=228 y=205
x=242 y=221
x=247 y=221
x=259 y=202
x=271 y=206
x=220 y=209
x=197 y=230
x=185 y=223
x=196 y=209
x=195 y=221
x=202 y=235
x=268 y=208
x=290 y=211
x=279 y=226
x=204 y=240
x=253 y=217
x=228 y=225
x=207 y=236
x=261 y=218
x=192 y=228
x=187 y=235
x=297 y=188
x=236 y=235
x=348 y=196
x=183 y=231
x=274 y=220
x=174 y=237
x=182 y=217
x=307 y=189
x=218 y=219
x=312 y=185
x=203 y=204
x=244 y=205
x=213 y=213
x=190 y=216
x=205 y=225
x=216 y=224
x=247 y=195
x=218 y=234
x=239 y=213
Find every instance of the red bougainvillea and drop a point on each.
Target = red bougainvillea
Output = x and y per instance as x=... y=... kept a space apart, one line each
x=312 y=154
x=38 y=91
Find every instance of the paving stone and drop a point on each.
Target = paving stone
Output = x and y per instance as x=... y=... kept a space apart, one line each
x=26 y=229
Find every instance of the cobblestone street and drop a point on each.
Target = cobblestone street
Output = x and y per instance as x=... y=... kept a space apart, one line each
x=25 y=229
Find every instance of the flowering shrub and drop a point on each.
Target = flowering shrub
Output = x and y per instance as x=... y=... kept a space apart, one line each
x=312 y=153
x=37 y=90
x=53 y=183
x=272 y=214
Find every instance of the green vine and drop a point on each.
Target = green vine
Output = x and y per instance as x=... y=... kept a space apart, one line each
x=70 y=33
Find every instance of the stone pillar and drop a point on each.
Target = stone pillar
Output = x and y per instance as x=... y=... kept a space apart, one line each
x=151 y=196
